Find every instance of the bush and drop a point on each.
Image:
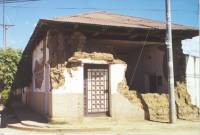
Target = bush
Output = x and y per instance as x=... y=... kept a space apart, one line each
x=9 y=59
x=4 y=96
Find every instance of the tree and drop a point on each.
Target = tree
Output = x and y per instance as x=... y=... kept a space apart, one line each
x=9 y=59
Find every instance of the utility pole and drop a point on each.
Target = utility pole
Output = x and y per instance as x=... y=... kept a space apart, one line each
x=5 y=27
x=172 y=107
x=3 y=22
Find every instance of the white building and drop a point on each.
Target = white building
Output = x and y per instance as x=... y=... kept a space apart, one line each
x=191 y=49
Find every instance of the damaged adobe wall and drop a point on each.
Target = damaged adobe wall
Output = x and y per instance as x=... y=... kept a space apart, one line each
x=156 y=106
x=185 y=108
x=57 y=77
x=131 y=95
x=56 y=73
x=61 y=47
x=73 y=75
x=95 y=56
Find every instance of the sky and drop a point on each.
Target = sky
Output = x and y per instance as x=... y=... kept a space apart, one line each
x=26 y=15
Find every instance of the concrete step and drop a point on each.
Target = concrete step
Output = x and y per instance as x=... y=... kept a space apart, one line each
x=97 y=119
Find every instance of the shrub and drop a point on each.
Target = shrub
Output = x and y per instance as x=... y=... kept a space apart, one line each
x=4 y=96
x=9 y=59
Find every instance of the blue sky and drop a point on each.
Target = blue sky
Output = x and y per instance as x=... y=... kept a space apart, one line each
x=26 y=15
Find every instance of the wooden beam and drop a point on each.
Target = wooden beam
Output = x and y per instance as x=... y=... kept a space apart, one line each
x=123 y=42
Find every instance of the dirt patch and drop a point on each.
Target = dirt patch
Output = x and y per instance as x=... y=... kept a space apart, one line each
x=185 y=109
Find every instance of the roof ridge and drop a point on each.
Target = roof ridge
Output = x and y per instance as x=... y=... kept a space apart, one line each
x=79 y=14
x=109 y=20
x=142 y=18
x=83 y=15
x=110 y=13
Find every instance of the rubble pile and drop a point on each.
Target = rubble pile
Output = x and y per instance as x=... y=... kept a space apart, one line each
x=185 y=109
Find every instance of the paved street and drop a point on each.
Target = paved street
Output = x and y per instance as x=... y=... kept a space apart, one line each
x=7 y=131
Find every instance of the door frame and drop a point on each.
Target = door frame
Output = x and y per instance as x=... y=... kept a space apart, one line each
x=85 y=97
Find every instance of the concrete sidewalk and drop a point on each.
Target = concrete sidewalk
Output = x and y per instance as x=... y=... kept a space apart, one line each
x=32 y=121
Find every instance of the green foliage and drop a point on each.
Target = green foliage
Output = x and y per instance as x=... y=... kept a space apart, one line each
x=9 y=59
x=4 y=96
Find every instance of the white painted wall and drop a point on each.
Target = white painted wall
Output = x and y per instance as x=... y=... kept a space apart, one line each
x=117 y=75
x=191 y=48
x=74 y=79
x=193 y=79
x=73 y=82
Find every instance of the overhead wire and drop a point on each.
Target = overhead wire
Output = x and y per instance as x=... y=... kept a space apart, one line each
x=15 y=1
x=95 y=8
x=139 y=57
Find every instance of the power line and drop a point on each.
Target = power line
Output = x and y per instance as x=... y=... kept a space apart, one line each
x=139 y=58
x=15 y=1
x=95 y=8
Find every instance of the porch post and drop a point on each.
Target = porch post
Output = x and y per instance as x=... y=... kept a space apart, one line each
x=172 y=107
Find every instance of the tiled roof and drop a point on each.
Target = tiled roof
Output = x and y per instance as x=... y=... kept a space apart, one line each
x=112 y=19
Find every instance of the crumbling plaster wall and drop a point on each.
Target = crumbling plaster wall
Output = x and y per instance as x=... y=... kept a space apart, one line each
x=38 y=68
x=36 y=90
x=151 y=62
x=68 y=44
x=66 y=101
x=121 y=107
x=61 y=48
x=66 y=95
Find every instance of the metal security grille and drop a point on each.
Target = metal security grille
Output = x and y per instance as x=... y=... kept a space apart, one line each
x=97 y=89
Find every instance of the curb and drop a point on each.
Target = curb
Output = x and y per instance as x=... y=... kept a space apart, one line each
x=85 y=129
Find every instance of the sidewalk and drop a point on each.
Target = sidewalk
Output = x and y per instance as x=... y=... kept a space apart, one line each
x=33 y=122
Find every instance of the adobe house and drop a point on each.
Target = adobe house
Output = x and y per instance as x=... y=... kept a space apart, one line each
x=73 y=65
